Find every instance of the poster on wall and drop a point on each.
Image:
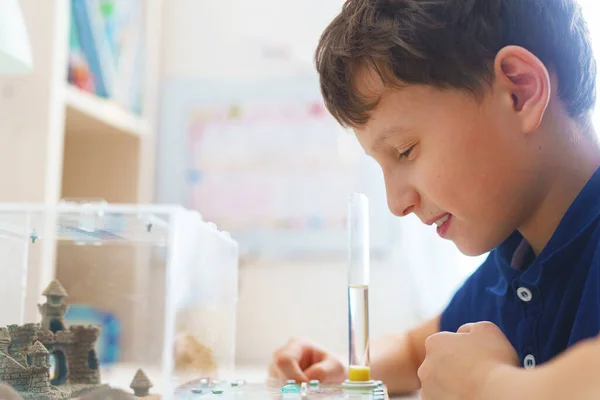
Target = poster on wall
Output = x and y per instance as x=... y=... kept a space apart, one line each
x=264 y=161
x=274 y=165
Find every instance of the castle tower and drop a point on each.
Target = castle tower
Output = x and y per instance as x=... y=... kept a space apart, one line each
x=82 y=360
x=4 y=340
x=38 y=355
x=39 y=365
x=140 y=384
x=54 y=310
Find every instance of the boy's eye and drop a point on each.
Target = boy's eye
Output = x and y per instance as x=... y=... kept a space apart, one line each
x=406 y=153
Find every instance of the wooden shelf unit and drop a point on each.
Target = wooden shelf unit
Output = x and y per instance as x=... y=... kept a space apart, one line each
x=87 y=113
x=57 y=141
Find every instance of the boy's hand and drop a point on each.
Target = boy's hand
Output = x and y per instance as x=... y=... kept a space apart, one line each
x=457 y=365
x=303 y=360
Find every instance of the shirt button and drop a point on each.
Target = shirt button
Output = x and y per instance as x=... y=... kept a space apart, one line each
x=524 y=294
x=529 y=361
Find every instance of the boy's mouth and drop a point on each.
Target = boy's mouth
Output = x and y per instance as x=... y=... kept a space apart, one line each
x=443 y=224
x=441 y=221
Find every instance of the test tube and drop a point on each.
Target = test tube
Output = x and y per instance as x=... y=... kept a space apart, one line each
x=358 y=287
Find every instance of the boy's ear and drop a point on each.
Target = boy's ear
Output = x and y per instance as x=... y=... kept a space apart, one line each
x=527 y=81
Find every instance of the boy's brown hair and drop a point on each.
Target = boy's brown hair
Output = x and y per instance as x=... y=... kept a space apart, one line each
x=451 y=43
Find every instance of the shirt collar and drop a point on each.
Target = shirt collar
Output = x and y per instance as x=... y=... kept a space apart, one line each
x=580 y=215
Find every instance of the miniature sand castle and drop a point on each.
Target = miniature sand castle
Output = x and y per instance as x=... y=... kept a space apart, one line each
x=25 y=353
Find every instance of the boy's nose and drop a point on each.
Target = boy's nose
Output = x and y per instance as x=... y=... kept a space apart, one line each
x=402 y=197
x=402 y=202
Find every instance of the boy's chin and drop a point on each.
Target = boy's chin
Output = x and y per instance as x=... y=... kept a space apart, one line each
x=474 y=248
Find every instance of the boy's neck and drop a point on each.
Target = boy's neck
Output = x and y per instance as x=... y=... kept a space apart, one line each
x=574 y=157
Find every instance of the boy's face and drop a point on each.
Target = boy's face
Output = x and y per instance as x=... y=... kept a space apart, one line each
x=456 y=161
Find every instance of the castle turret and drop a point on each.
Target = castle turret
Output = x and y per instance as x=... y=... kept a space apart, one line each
x=4 y=340
x=38 y=355
x=141 y=384
x=39 y=365
x=54 y=310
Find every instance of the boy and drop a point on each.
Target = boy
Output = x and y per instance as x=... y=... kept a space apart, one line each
x=477 y=112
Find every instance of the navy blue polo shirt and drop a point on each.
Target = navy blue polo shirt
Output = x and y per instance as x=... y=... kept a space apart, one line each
x=545 y=304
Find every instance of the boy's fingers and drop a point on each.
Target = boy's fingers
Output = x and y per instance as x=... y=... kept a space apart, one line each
x=328 y=370
x=290 y=369
x=274 y=372
x=478 y=326
x=466 y=328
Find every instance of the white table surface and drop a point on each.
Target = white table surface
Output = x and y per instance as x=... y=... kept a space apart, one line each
x=254 y=374
x=122 y=375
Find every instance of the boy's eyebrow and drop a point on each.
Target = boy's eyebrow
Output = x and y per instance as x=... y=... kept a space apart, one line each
x=383 y=136
x=386 y=134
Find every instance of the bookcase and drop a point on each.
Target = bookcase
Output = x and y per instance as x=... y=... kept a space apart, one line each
x=58 y=140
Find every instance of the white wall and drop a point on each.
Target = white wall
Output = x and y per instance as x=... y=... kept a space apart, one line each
x=279 y=299
x=206 y=38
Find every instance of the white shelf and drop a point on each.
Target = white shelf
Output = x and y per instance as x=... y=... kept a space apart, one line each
x=87 y=113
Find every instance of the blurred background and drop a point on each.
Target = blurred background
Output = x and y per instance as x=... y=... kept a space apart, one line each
x=215 y=105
